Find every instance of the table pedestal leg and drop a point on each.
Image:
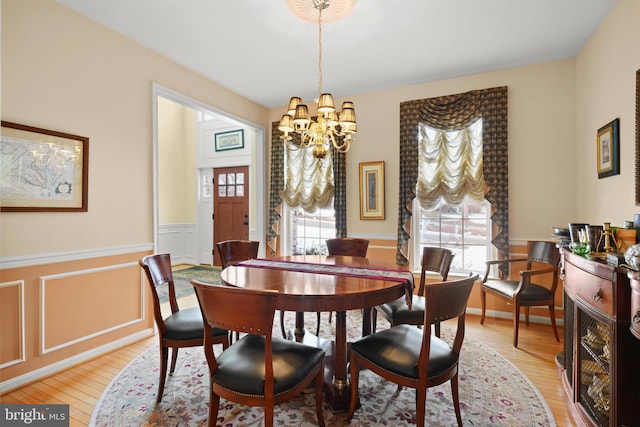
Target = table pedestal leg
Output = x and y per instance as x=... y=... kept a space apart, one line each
x=337 y=387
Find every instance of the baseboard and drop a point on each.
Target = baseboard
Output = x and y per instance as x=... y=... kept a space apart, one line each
x=54 y=368
x=543 y=320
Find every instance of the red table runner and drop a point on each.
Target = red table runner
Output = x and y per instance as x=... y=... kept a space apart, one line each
x=338 y=270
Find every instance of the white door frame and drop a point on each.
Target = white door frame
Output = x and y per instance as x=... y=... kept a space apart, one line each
x=257 y=201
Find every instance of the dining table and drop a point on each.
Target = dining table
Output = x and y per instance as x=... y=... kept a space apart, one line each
x=319 y=283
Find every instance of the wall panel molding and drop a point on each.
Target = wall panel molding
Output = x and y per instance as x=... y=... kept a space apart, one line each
x=52 y=258
x=45 y=316
x=19 y=334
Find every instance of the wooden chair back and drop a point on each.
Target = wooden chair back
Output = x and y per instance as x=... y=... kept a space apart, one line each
x=157 y=268
x=437 y=260
x=446 y=300
x=232 y=251
x=347 y=246
x=238 y=309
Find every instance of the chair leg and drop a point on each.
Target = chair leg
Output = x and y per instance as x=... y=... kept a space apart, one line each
x=374 y=320
x=164 y=356
x=268 y=413
x=421 y=403
x=526 y=315
x=284 y=332
x=355 y=375
x=319 y=383
x=516 y=322
x=436 y=329
x=174 y=358
x=318 y=327
x=552 y=315
x=214 y=404
x=456 y=399
x=483 y=302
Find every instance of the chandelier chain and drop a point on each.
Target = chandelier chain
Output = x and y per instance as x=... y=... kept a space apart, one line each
x=320 y=52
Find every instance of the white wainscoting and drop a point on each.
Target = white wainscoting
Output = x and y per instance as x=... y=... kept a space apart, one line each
x=180 y=241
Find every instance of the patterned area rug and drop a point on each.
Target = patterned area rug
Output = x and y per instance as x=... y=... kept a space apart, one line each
x=493 y=392
x=182 y=280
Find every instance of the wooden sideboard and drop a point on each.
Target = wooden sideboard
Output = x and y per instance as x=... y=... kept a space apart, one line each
x=600 y=365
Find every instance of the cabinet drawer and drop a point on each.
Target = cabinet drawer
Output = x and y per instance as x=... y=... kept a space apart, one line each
x=635 y=304
x=593 y=290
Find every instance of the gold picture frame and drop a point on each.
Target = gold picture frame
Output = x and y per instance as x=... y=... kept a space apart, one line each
x=372 y=190
x=608 y=149
x=43 y=170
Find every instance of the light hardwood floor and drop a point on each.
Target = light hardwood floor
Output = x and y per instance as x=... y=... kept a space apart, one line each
x=82 y=385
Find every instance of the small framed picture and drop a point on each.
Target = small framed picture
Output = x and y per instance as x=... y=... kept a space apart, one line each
x=231 y=140
x=608 y=149
x=372 y=190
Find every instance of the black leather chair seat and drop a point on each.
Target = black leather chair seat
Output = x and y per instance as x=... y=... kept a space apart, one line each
x=532 y=292
x=186 y=324
x=397 y=350
x=241 y=366
x=399 y=311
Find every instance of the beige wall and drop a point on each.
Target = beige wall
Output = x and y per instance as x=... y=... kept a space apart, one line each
x=605 y=86
x=64 y=72
x=541 y=135
x=177 y=176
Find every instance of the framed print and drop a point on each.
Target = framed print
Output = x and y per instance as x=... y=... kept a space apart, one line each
x=608 y=149
x=231 y=140
x=43 y=170
x=372 y=190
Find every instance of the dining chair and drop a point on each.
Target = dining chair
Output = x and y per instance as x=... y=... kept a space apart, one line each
x=345 y=246
x=259 y=369
x=182 y=328
x=397 y=312
x=541 y=261
x=413 y=357
x=234 y=251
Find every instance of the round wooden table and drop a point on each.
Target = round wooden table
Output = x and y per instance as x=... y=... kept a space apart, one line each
x=302 y=291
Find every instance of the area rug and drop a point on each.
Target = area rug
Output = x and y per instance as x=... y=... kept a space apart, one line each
x=493 y=392
x=182 y=280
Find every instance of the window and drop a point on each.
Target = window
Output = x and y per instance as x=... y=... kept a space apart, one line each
x=305 y=232
x=308 y=214
x=452 y=211
x=464 y=229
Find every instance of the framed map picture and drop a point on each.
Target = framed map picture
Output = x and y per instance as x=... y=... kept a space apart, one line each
x=42 y=170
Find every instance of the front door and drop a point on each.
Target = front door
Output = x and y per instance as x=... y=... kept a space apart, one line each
x=230 y=206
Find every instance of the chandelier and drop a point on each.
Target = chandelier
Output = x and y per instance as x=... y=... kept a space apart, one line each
x=330 y=127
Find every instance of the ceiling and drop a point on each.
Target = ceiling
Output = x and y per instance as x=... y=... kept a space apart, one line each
x=262 y=51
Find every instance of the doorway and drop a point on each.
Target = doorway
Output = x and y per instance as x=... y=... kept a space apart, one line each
x=182 y=237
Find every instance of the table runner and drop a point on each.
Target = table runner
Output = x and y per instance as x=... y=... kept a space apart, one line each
x=338 y=270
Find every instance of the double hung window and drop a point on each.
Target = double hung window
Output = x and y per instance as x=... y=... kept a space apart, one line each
x=450 y=210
